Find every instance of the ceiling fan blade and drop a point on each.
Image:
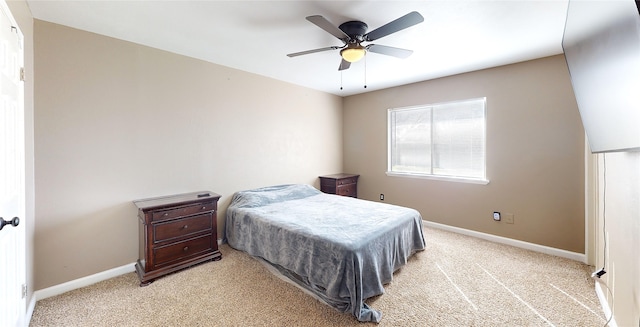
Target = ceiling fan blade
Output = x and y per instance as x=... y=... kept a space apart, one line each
x=326 y=25
x=389 y=51
x=399 y=24
x=295 y=54
x=344 y=65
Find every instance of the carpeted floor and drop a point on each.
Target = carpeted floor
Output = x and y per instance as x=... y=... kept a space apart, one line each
x=457 y=281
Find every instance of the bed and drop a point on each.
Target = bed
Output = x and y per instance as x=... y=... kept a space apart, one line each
x=340 y=249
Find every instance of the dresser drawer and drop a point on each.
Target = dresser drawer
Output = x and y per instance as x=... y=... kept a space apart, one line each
x=182 y=211
x=169 y=254
x=346 y=181
x=182 y=227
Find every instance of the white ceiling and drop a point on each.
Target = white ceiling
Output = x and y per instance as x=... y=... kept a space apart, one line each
x=457 y=36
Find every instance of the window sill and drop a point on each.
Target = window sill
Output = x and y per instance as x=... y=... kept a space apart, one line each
x=440 y=178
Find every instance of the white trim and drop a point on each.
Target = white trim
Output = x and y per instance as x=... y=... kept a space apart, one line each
x=509 y=241
x=30 y=308
x=591 y=205
x=84 y=281
x=439 y=177
x=605 y=304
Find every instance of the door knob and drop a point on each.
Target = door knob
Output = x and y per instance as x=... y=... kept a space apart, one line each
x=13 y=222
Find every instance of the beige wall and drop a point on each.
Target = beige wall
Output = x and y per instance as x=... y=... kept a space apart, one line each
x=22 y=15
x=116 y=121
x=535 y=153
x=619 y=218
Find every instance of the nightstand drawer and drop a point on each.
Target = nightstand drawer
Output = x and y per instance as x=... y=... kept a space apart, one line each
x=346 y=190
x=182 y=227
x=346 y=181
x=183 y=211
x=166 y=255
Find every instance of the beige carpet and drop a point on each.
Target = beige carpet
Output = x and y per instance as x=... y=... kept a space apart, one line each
x=457 y=281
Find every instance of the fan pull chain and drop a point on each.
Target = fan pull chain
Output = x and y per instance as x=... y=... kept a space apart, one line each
x=365 y=70
x=340 y=80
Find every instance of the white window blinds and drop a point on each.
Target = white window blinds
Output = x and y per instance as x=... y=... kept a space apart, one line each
x=446 y=139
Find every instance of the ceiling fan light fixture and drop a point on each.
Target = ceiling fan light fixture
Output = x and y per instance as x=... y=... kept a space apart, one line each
x=352 y=54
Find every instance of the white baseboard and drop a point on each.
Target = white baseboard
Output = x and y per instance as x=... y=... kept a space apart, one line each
x=605 y=304
x=84 y=281
x=508 y=241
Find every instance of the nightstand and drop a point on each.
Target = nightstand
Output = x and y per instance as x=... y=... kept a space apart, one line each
x=340 y=184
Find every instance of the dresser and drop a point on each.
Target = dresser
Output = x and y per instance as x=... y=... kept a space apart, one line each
x=340 y=184
x=176 y=232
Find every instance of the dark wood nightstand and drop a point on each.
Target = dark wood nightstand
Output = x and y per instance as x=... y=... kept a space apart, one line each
x=176 y=232
x=340 y=184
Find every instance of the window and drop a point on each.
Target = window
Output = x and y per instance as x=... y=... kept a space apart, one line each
x=440 y=141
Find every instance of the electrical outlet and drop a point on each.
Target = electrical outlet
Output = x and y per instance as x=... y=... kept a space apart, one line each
x=496 y=216
x=381 y=197
x=508 y=218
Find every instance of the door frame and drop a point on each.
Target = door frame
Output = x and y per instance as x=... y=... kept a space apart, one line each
x=591 y=206
x=20 y=142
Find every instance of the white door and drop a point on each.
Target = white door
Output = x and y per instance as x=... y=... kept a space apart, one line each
x=12 y=189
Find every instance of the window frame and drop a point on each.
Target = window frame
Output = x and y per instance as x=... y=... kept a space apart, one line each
x=473 y=180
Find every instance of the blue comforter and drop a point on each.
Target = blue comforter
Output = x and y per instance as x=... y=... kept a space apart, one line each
x=341 y=249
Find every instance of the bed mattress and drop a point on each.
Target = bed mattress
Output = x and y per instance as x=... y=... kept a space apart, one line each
x=341 y=249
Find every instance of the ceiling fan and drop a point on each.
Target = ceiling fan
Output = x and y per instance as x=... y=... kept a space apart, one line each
x=354 y=33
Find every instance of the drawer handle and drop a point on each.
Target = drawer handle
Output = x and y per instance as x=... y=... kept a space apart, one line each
x=203 y=207
x=166 y=214
x=186 y=248
x=185 y=226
